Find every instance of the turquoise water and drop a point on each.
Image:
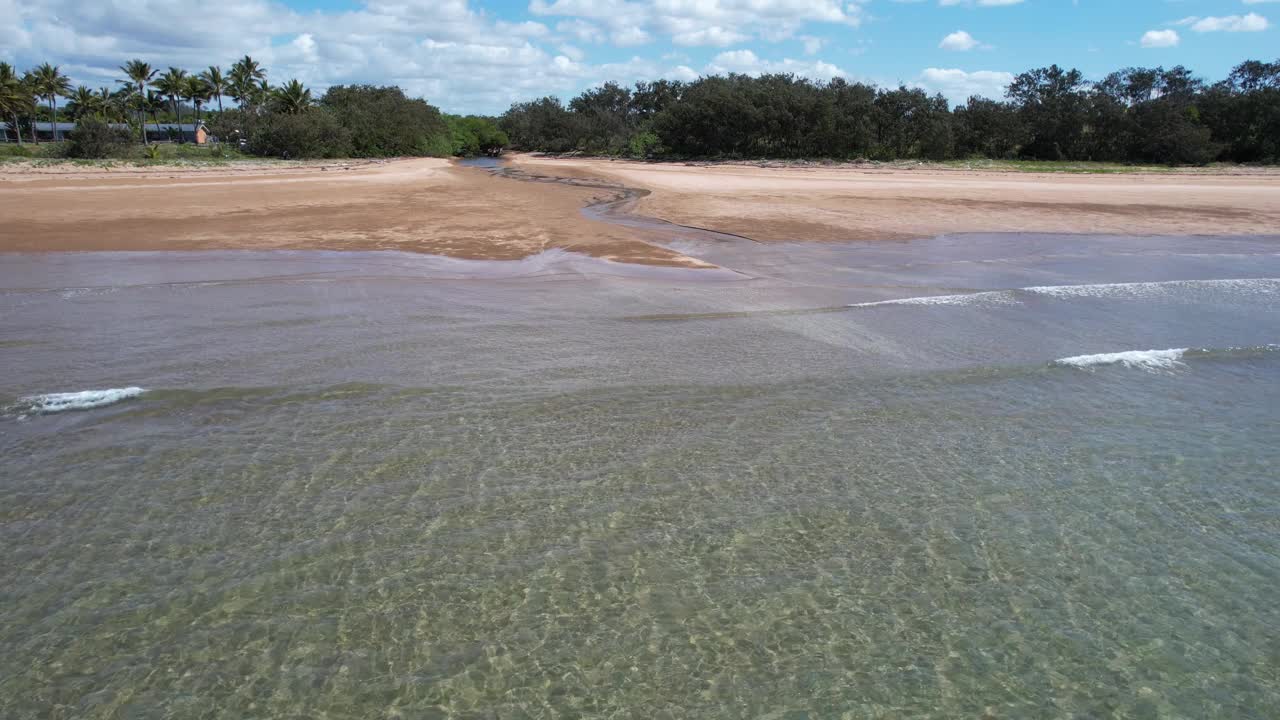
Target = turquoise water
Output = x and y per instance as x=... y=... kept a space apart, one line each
x=381 y=485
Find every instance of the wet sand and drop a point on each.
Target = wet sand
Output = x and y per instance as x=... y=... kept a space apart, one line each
x=421 y=205
x=772 y=204
x=435 y=206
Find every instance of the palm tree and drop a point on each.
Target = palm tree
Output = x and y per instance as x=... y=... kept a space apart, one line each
x=84 y=102
x=217 y=83
x=11 y=96
x=245 y=76
x=111 y=103
x=30 y=96
x=153 y=102
x=172 y=84
x=197 y=92
x=292 y=98
x=49 y=84
x=139 y=74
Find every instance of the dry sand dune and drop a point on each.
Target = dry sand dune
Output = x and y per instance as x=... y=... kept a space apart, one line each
x=434 y=206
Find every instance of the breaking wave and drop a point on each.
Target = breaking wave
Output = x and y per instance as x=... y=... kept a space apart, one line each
x=994 y=297
x=83 y=400
x=1247 y=286
x=1144 y=359
x=1158 y=360
x=1130 y=291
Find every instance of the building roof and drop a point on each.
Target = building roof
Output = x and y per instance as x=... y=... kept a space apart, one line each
x=184 y=127
x=42 y=126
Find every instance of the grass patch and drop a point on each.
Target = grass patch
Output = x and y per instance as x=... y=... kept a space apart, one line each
x=48 y=154
x=1055 y=166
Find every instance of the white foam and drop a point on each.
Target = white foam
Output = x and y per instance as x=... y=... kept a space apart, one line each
x=83 y=400
x=1151 y=360
x=1135 y=290
x=993 y=297
x=1253 y=286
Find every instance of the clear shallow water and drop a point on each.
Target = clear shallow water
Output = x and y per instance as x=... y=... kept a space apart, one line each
x=381 y=485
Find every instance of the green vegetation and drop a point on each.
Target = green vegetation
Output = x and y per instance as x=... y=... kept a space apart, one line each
x=284 y=121
x=1080 y=167
x=474 y=135
x=1136 y=115
x=132 y=153
x=383 y=122
x=94 y=139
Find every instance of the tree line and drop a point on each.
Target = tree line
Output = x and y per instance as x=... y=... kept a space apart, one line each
x=283 y=120
x=1147 y=115
x=1134 y=115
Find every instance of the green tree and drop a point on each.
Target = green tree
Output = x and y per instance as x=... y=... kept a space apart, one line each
x=542 y=124
x=384 y=123
x=474 y=135
x=154 y=103
x=245 y=84
x=197 y=91
x=1054 y=107
x=30 y=96
x=113 y=104
x=50 y=84
x=988 y=128
x=217 y=83
x=11 y=96
x=604 y=118
x=316 y=134
x=292 y=98
x=94 y=138
x=138 y=75
x=172 y=84
x=83 y=102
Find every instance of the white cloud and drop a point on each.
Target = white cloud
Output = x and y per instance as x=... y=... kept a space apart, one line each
x=959 y=41
x=581 y=30
x=1252 y=22
x=627 y=37
x=715 y=36
x=1160 y=39
x=706 y=22
x=958 y=85
x=979 y=3
x=448 y=51
x=747 y=62
x=812 y=44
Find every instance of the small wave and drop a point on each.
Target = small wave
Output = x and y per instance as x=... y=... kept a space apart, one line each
x=1133 y=291
x=83 y=400
x=1144 y=359
x=1137 y=290
x=993 y=297
x=1160 y=360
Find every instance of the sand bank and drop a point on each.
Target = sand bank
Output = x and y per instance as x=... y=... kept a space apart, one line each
x=860 y=203
x=421 y=205
x=435 y=206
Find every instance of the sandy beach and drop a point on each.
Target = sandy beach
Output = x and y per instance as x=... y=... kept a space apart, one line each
x=436 y=206
x=421 y=205
x=842 y=203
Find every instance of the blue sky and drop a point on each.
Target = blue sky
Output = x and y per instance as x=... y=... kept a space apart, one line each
x=481 y=55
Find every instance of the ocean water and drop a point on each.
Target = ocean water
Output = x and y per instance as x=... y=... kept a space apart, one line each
x=974 y=476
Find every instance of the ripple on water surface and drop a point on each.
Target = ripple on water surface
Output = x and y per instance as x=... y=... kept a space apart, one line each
x=526 y=497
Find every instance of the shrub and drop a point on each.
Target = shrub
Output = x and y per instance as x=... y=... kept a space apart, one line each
x=314 y=134
x=643 y=145
x=94 y=139
x=382 y=122
x=474 y=135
